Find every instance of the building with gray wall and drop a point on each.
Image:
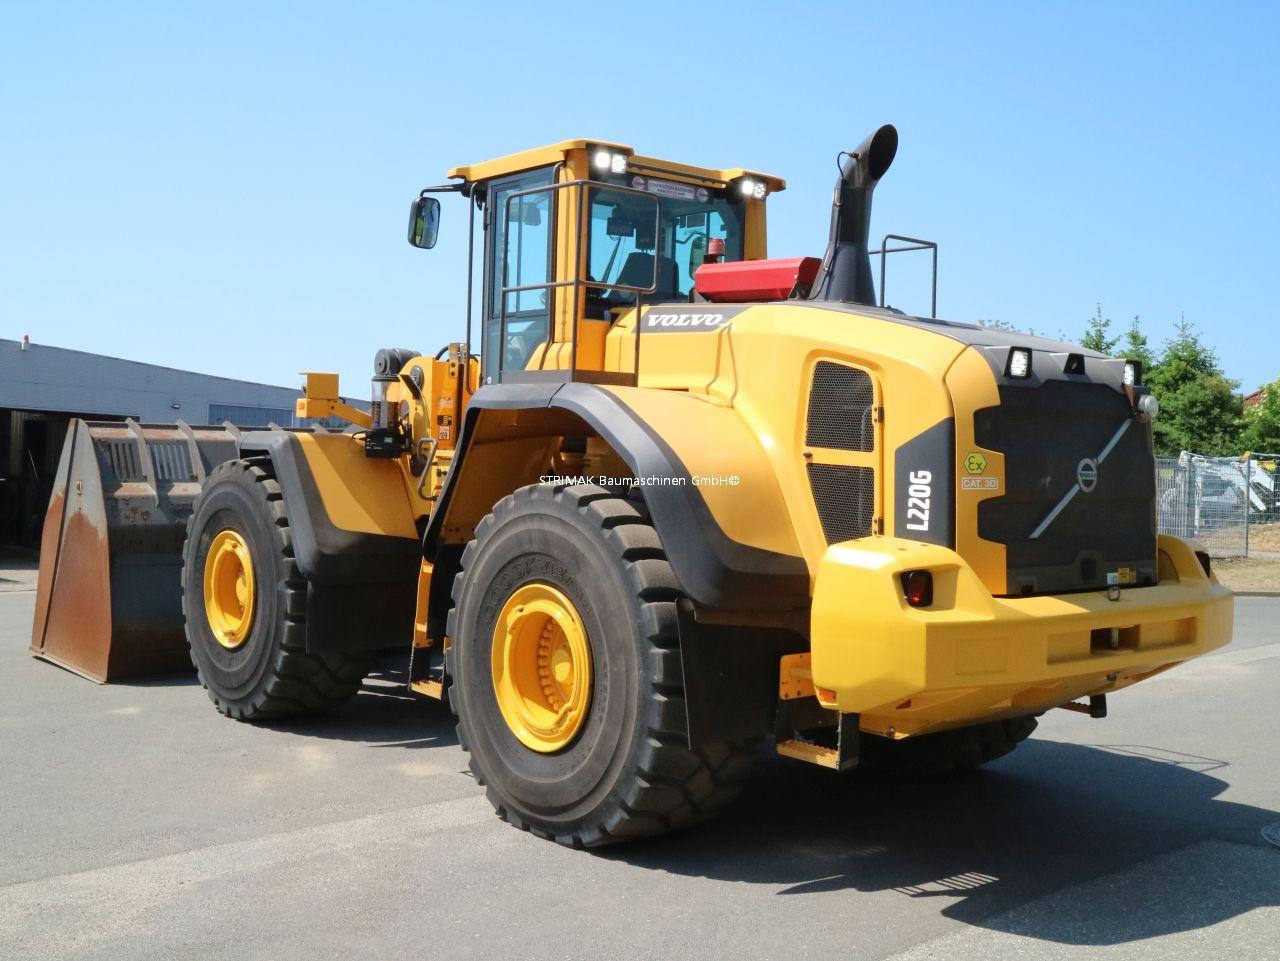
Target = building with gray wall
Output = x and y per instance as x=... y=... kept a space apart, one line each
x=42 y=388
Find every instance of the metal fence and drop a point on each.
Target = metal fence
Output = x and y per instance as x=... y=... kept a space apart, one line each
x=1230 y=505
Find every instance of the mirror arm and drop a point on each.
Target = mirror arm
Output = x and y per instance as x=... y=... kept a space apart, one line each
x=459 y=188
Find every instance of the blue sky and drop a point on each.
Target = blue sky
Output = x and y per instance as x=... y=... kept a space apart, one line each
x=223 y=187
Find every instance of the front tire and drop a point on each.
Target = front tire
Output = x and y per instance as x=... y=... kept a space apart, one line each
x=624 y=768
x=245 y=603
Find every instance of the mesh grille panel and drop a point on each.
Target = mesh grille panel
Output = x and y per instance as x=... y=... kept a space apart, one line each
x=840 y=405
x=845 y=498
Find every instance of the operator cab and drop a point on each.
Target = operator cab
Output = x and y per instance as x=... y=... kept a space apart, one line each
x=577 y=235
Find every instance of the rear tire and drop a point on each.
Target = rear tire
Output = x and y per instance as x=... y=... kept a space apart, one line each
x=628 y=772
x=948 y=752
x=269 y=675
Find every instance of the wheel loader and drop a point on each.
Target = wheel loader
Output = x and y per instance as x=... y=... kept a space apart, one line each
x=683 y=500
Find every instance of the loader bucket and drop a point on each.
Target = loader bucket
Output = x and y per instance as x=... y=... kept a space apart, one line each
x=108 y=598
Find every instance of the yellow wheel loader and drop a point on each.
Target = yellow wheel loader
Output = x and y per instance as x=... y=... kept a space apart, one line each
x=685 y=498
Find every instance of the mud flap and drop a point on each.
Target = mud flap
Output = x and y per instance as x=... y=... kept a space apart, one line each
x=730 y=676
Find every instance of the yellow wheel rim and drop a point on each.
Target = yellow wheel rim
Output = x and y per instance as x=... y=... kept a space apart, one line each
x=541 y=667
x=229 y=589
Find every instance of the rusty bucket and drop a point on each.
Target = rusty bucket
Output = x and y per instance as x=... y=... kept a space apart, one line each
x=108 y=598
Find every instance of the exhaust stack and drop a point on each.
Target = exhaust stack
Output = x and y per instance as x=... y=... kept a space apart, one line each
x=846 y=266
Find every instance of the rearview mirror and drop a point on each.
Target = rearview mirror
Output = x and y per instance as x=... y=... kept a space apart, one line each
x=424 y=222
x=620 y=225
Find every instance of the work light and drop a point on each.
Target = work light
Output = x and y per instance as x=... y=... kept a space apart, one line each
x=751 y=189
x=1019 y=363
x=606 y=161
x=1132 y=373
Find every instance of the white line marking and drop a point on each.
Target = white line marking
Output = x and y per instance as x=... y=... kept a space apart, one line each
x=1114 y=440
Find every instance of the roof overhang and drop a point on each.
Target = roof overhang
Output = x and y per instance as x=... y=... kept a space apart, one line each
x=555 y=153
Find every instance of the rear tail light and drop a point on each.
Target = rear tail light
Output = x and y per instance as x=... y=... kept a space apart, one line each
x=917 y=587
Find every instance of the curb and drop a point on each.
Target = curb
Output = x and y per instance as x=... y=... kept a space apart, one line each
x=1256 y=593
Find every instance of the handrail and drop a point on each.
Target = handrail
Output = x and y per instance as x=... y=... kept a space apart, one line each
x=427 y=447
x=918 y=245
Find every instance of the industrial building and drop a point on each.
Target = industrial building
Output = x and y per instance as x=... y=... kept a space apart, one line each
x=42 y=388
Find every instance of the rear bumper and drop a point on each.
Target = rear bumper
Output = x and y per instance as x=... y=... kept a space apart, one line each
x=971 y=657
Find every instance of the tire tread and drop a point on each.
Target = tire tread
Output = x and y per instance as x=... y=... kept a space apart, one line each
x=668 y=786
x=297 y=682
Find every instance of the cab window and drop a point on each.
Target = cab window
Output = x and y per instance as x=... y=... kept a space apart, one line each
x=692 y=231
x=626 y=246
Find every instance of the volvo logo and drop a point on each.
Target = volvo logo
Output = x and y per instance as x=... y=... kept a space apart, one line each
x=1087 y=475
x=1086 y=478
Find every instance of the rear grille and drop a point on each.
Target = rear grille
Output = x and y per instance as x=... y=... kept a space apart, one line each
x=1044 y=432
x=841 y=401
x=845 y=498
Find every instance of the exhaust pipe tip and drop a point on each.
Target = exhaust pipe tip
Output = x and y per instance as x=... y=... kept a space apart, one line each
x=873 y=157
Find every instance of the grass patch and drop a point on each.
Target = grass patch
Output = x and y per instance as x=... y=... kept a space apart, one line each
x=1248 y=573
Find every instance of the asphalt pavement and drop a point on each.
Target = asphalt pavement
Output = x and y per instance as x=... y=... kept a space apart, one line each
x=135 y=822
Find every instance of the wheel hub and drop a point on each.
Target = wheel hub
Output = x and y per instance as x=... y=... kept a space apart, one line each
x=541 y=667
x=229 y=589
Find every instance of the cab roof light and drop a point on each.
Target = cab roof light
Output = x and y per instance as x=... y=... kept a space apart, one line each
x=751 y=189
x=1132 y=373
x=1019 y=363
x=609 y=162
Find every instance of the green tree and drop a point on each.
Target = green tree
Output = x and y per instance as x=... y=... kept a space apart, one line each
x=1199 y=409
x=1134 y=346
x=997 y=324
x=1096 y=330
x=1262 y=422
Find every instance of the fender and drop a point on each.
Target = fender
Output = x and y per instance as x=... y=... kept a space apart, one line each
x=361 y=577
x=715 y=570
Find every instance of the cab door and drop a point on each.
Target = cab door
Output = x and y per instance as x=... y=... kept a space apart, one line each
x=518 y=238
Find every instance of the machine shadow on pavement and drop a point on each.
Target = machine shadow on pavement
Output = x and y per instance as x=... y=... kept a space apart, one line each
x=383 y=714
x=1049 y=816
x=1052 y=815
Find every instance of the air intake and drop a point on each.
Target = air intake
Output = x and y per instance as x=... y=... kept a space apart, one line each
x=841 y=401
x=845 y=498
